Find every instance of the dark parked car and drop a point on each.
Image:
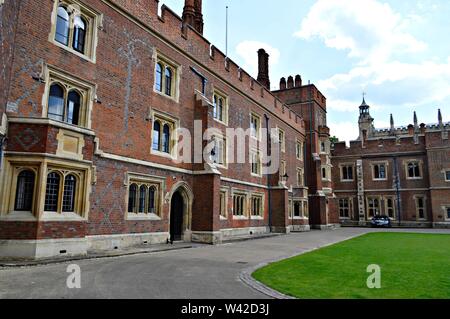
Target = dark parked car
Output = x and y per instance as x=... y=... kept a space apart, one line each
x=381 y=221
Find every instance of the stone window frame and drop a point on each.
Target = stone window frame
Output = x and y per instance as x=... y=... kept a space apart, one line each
x=174 y=124
x=224 y=139
x=300 y=173
x=260 y=197
x=245 y=212
x=368 y=208
x=349 y=208
x=425 y=210
x=259 y=163
x=223 y=206
x=372 y=168
x=327 y=168
x=299 y=149
x=283 y=169
x=304 y=215
x=281 y=141
x=257 y=117
x=341 y=172
x=445 y=172
x=43 y=165
x=166 y=62
x=148 y=181
x=446 y=209
x=87 y=90
x=18 y=168
x=394 y=206
x=221 y=95
x=413 y=161
x=94 y=20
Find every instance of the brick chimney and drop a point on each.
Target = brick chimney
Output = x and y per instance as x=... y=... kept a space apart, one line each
x=298 y=81
x=263 y=68
x=290 y=82
x=192 y=14
x=283 y=84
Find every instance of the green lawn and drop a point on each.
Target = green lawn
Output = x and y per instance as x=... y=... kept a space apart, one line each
x=412 y=266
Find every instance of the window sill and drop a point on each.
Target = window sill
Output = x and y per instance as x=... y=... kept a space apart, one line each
x=257 y=218
x=61 y=217
x=162 y=154
x=380 y=179
x=347 y=180
x=18 y=216
x=240 y=217
x=174 y=99
x=69 y=49
x=256 y=175
x=221 y=122
x=143 y=217
x=222 y=218
x=414 y=178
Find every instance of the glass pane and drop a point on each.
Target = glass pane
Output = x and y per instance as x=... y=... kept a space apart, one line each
x=168 y=82
x=52 y=192
x=132 y=198
x=142 y=195
x=24 y=191
x=62 y=26
x=166 y=139
x=56 y=103
x=156 y=134
x=79 y=34
x=73 y=108
x=151 y=200
x=158 y=78
x=70 y=184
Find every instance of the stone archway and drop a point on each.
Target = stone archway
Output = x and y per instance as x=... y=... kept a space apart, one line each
x=181 y=199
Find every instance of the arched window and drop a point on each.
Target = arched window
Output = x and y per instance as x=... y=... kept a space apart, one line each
x=166 y=139
x=73 y=108
x=168 y=81
x=142 y=197
x=158 y=77
x=132 y=198
x=52 y=192
x=62 y=26
x=56 y=103
x=152 y=200
x=24 y=191
x=156 y=135
x=79 y=34
x=70 y=185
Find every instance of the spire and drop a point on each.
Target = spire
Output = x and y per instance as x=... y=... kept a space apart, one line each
x=416 y=122
x=441 y=123
x=364 y=107
x=392 y=123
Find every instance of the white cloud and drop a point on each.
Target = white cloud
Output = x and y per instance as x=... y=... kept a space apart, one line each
x=370 y=30
x=380 y=48
x=247 y=50
x=345 y=131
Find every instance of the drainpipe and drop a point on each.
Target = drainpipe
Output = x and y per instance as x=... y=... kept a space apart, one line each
x=268 y=176
x=397 y=189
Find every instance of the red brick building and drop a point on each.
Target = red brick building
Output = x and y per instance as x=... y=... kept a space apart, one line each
x=400 y=172
x=93 y=95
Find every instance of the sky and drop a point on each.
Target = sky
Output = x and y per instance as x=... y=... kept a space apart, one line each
x=397 y=52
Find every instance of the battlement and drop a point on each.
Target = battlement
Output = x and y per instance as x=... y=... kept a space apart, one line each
x=169 y=27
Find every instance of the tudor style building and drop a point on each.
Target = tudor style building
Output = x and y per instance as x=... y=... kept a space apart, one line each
x=92 y=97
x=400 y=172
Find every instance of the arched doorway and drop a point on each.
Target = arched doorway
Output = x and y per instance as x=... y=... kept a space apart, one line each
x=177 y=217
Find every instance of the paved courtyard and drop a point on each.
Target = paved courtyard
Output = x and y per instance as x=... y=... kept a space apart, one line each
x=203 y=272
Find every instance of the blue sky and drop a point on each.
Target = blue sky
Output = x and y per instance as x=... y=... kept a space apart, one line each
x=397 y=51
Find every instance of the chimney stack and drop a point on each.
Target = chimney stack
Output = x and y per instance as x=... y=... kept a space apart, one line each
x=290 y=82
x=283 y=84
x=298 y=81
x=192 y=15
x=263 y=68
